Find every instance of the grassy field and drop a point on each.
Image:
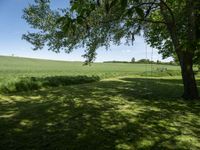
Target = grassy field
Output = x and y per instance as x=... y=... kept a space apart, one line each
x=125 y=110
x=18 y=67
x=22 y=74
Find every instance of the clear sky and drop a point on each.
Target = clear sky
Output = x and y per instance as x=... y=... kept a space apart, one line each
x=12 y=26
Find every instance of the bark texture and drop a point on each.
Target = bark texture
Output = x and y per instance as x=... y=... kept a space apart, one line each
x=189 y=82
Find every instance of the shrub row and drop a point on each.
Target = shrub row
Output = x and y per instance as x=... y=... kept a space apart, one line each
x=35 y=83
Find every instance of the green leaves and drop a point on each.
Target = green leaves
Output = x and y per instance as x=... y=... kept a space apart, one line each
x=91 y=24
x=84 y=24
x=113 y=3
x=107 y=6
x=140 y=12
x=61 y=19
x=74 y=6
x=123 y=3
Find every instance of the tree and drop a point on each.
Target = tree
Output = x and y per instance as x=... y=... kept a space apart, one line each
x=144 y=61
x=133 y=60
x=158 y=62
x=172 y=26
x=178 y=36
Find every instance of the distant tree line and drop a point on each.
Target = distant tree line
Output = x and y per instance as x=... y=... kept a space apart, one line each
x=116 y=61
x=143 y=61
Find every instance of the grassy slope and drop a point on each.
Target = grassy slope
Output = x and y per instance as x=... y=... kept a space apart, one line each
x=15 y=67
x=120 y=113
x=16 y=73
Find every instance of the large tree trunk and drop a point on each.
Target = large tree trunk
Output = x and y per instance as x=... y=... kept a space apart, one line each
x=189 y=82
x=185 y=57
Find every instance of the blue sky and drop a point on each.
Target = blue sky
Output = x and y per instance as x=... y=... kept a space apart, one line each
x=12 y=27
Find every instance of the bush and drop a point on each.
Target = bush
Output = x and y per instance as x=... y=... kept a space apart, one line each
x=33 y=83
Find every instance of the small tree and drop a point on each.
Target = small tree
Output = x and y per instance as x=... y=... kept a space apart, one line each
x=144 y=61
x=158 y=62
x=133 y=60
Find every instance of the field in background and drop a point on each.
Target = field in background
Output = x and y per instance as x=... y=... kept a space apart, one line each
x=12 y=67
x=23 y=74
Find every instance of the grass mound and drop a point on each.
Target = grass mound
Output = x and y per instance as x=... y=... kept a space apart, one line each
x=35 y=83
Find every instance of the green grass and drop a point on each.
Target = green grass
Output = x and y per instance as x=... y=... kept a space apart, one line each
x=17 y=67
x=123 y=113
x=22 y=74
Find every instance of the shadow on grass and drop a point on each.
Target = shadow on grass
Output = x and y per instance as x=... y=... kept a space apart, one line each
x=35 y=83
x=130 y=113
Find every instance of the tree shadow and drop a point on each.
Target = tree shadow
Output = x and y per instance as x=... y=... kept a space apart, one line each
x=130 y=113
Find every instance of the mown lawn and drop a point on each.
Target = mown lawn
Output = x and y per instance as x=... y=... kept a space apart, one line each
x=124 y=113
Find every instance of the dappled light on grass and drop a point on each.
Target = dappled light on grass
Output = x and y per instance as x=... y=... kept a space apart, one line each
x=125 y=113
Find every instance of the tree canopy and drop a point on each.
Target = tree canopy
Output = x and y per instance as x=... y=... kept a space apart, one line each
x=92 y=24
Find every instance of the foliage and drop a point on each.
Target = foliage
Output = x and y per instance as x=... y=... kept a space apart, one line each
x=145 y=61
x=158 y=36
x=116 y=61
x=34 y=83
x=82 y=26
x=133 y=60
x=92 y=24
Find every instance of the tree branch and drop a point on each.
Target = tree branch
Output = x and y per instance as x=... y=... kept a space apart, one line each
x=151 y=21
x=169 y=9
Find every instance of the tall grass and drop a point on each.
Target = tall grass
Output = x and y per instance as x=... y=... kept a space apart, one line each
x=34 y=83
